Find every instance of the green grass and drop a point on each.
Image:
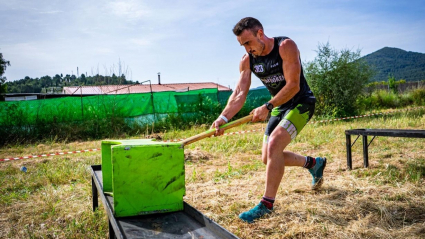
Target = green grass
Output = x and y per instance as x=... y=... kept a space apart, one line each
x=412 y=172
x=231 y=172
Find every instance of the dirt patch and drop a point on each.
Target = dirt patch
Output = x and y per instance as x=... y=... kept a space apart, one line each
x=196 y=155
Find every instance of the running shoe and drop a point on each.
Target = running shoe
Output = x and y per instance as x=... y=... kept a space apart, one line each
x=257 y=212
x=317 y=173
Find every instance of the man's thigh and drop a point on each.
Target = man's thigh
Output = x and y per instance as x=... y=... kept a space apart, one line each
x=291 y=121
x=295 y=119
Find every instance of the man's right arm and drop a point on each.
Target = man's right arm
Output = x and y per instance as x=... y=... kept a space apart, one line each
x=238 y=97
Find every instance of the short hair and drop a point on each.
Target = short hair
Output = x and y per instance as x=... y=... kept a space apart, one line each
x=247 y=23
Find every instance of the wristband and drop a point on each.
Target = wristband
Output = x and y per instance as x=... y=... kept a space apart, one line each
x=223 y=118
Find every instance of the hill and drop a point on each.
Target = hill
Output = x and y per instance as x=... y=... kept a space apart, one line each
x=399 y=63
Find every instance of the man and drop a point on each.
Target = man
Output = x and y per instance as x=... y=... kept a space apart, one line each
x=276 y=61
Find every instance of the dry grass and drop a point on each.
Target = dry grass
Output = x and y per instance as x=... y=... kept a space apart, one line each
x=224 y=177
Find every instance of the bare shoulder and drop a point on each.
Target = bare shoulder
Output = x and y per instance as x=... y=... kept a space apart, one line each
x=244 y=64
x=288 y=43
x=288 y=49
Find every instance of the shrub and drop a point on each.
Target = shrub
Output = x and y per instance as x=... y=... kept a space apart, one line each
x=383 y=99
x=418 y=96
x=337 y=79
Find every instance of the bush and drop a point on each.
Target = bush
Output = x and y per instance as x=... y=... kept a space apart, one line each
x=383 y=99
x=418 y=96
x=337 y=79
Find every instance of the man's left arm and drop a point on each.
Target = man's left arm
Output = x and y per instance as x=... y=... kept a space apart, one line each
x=291 y=65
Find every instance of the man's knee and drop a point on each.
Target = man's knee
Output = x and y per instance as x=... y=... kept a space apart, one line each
x=278 y=142
x=271 y=148
x=280 y=138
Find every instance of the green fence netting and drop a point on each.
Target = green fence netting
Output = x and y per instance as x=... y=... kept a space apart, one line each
x=73 y=118
x=104 y=106
x=68 y=109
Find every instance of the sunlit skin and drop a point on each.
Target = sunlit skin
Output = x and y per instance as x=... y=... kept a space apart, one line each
x=258 y=45
x=273 y=154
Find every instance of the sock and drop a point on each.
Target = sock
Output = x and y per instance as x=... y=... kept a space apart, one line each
x=310 y=162
x=268 y=202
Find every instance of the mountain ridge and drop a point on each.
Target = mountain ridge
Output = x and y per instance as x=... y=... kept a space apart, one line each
x=402 y=64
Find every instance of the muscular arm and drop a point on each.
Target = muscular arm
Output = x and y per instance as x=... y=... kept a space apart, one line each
x=238 y=97
x=291 y=64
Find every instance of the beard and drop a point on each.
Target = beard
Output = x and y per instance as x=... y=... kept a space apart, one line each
x=260 y=49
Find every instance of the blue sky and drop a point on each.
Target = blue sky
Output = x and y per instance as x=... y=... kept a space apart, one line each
x=189 y=41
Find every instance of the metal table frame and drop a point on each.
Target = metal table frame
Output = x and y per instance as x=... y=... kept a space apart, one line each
x=407 y=133
x=195 y=224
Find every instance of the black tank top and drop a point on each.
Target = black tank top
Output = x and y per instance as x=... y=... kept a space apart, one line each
x=269 y=69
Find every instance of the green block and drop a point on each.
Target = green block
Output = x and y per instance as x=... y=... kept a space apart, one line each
x=144 y=176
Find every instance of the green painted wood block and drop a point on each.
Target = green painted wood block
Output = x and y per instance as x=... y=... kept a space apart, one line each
x=144 y=176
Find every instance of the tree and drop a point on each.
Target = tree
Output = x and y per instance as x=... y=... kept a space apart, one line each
x=46 y=81
x=83 y=79
x=3 y=65
x=337 y=79
x=124 y=80
x=67 y=78
x=57 y=80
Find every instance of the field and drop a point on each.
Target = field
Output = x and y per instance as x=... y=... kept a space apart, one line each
x=224 y=177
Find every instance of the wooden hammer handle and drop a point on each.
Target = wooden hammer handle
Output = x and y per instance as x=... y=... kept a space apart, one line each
x=212 y=131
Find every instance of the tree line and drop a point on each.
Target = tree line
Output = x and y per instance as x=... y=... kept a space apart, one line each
x=39 y=85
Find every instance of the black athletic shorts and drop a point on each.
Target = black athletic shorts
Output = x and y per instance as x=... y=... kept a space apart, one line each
x=293 y=119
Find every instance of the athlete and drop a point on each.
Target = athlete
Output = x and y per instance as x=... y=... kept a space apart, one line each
x=276 y=62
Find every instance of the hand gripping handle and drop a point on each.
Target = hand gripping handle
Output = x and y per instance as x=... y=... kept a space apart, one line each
x=212 y=131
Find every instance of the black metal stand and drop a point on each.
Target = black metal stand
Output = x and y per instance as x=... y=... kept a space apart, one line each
x=375 y=132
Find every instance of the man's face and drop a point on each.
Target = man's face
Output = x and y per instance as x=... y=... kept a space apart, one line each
x=253 y=44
